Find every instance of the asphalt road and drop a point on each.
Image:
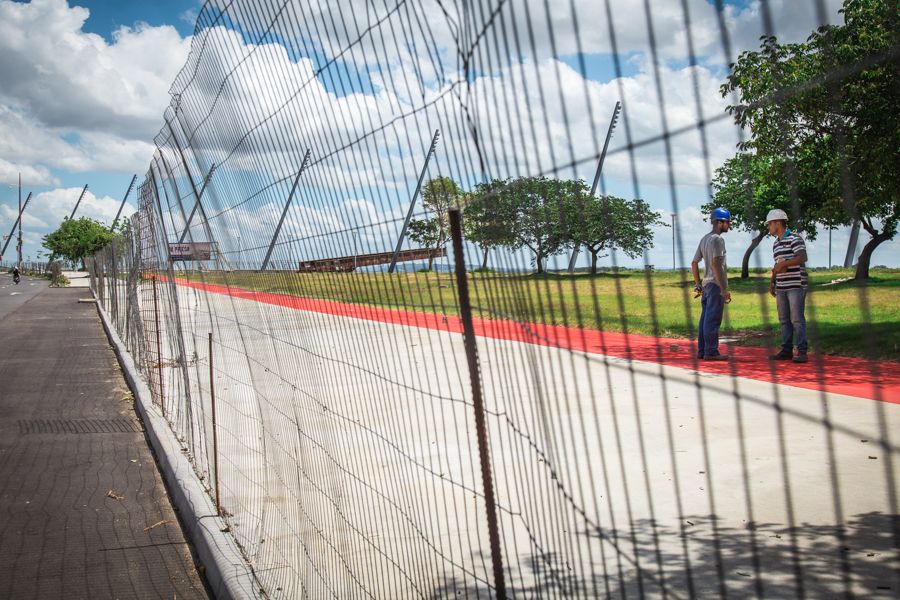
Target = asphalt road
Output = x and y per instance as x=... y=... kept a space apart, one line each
x=13 y=296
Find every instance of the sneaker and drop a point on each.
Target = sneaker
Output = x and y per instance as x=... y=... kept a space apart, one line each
x=700 y=357
x=782 y=355
x=800 y=358
x=716 y=357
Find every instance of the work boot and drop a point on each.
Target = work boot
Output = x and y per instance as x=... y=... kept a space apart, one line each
x=783 y=355
x=800 y=358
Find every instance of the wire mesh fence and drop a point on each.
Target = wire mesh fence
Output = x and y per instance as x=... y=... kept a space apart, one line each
x=396 y=283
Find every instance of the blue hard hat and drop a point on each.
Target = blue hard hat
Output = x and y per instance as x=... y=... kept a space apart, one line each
x=721 y=214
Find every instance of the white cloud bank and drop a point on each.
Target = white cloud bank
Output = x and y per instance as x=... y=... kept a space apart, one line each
x=70 y=100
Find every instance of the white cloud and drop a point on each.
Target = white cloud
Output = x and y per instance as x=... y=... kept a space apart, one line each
x=72 y=101
x=31 y=174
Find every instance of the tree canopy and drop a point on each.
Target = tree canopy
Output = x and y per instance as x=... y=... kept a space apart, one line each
x=439 y=195
x=612 y=223
x=541 y=214
x=749 y=186
x=822 y=117
x=490 y=217
x=77 y=238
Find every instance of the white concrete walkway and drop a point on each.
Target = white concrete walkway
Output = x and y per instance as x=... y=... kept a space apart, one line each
x=348 y=459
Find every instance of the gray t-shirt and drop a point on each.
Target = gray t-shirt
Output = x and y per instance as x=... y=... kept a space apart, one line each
x=711 y=246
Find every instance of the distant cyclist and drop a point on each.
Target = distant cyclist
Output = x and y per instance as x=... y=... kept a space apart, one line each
x=16 y=275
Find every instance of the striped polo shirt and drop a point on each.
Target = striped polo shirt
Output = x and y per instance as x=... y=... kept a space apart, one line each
x=787 y=248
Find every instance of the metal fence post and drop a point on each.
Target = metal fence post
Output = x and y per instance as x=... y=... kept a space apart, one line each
x=159 y=365
x=212 y=400
x=465 y=313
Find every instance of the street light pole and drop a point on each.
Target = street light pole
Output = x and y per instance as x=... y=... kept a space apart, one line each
x=673 y=241
x=20 y=223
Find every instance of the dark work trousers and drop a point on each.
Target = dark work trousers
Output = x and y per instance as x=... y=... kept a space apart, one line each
x=712 y=309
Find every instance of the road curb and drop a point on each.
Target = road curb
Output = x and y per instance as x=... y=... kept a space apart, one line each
x=227 y=572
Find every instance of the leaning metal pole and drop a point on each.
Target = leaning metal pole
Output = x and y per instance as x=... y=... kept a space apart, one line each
x=124 y=200
x=851 y=246
x=190 y=178
x=465 y=314
x=412 y=204
x=12 y=232
x=190 y=218
x=609 y=132
x=303 y=165
x=83 y=191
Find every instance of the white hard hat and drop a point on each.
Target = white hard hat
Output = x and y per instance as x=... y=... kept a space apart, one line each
x=776 y=214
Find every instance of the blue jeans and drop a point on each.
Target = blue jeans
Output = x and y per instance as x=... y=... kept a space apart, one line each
x=791 y=305
x=712 y=308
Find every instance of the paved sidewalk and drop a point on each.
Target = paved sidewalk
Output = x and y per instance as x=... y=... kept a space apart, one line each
x=83 y=511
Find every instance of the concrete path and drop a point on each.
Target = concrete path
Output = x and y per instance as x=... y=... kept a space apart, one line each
x=83 y=511
x=348 y=464
x=78 y=279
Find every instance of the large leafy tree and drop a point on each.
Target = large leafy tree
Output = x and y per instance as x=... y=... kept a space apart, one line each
x=825 y=110
x=78 y=238
x=542 y=210
x=750 y=186
x=489 y=217
x=439 y=195
x=611 y=223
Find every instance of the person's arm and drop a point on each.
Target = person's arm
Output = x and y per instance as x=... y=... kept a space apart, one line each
x=722 y=277
x=798 y=260
x=695 y=270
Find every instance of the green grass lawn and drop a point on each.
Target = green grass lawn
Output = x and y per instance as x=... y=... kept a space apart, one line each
x=843 y=318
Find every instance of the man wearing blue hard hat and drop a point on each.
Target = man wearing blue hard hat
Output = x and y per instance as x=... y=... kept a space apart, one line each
x=714 y=287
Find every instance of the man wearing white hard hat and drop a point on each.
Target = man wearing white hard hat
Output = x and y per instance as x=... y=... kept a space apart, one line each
x=789 y=285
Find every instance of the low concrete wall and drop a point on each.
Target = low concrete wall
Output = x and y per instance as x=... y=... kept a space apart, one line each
x=227 y=572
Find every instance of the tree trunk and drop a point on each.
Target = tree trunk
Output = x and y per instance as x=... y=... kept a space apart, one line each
x=865 y=257
x=593 y=262
x=484 y=260
x=745 y=263
x=431 y=258
x=539 y=261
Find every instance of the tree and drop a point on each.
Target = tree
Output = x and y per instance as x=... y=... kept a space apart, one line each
x=78 y=238
x=612 y=223
x=439 y=195
x=489 y=217
x=541 y=208
x=826 y=108
x=749 y=186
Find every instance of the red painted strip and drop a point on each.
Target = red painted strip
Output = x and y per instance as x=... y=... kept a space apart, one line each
x=876 y=380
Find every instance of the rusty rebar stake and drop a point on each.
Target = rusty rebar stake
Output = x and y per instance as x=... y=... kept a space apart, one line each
x=465 y=313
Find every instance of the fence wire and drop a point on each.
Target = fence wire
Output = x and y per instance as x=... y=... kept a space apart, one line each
x=289 y=292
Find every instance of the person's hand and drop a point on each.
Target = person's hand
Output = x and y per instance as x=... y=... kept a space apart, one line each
x=772 y=289
x=698 y=291
x=727 y=297
x=779 y=268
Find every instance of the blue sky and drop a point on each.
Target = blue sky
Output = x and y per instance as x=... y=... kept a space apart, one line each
x=108 y=16
x=61 y=132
